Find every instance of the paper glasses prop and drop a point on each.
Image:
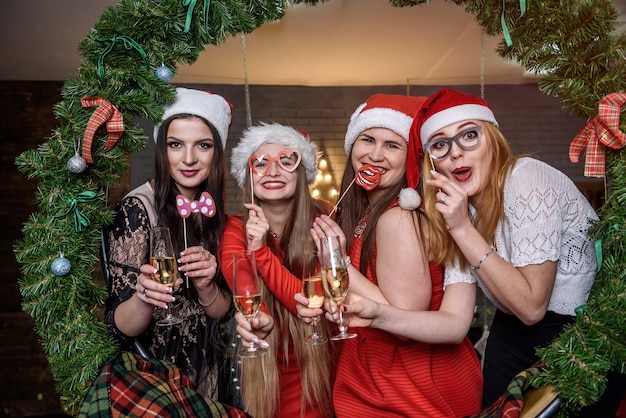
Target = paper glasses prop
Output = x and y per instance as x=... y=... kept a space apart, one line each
x=260 y=165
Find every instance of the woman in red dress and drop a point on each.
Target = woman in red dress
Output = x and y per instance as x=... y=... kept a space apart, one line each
x=277 y=163
x=381 y=372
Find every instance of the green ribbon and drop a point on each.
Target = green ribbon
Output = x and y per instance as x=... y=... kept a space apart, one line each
x=598 y=245
x=129 y=43
x=580 y=309
x=505 y=29
x=80 y=220
x=191 y=4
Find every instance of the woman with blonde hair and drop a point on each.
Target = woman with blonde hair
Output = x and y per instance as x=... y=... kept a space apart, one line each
x=274 y=165
x=515 y=225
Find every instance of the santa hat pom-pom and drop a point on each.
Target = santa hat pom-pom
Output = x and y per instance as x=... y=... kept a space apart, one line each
x=410 y=199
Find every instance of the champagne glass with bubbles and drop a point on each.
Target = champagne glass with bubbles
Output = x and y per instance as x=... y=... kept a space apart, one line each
x=335 y=278
x=247 y=294
x=313 y=289
x=163 y=259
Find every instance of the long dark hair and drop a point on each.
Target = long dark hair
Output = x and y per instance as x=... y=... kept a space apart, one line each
x=200 y=230
x=356 y=205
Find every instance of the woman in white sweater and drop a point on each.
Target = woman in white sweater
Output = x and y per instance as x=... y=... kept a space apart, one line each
x=515 y=225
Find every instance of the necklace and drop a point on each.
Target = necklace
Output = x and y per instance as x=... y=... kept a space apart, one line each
x=274 y=234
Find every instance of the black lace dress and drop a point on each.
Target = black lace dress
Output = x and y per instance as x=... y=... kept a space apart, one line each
x=195 y=345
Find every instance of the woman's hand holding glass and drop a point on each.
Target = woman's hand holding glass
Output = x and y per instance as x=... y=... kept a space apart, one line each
x=247 y=294
x=151 y=292
x=335 y=278
x=363 y=311
x=255 y=331
x=165 y=270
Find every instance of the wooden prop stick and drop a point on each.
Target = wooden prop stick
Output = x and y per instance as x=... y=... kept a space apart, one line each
x=251 y=185
x=342 y=196
x=185 y=237
x=432 y=163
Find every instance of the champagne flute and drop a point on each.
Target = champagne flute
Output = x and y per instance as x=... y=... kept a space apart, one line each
x=247 y=294
x=313 y=289
x=335 y=278
x=163 y=259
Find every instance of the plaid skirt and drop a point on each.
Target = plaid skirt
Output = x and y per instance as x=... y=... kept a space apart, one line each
x=131 y=386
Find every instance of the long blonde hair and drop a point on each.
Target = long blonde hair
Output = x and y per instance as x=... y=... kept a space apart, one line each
x=489 y=210
x=260 y=380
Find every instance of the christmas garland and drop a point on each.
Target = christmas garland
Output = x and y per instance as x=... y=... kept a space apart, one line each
x=131 y=54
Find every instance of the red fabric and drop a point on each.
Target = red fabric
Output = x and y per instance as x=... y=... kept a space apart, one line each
x=283 y=286
x=602 y=130
x=379 y=374
x=105 y=112
x=276 y=277
x=621 y=411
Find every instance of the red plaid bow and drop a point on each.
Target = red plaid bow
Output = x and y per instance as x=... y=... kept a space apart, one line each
x=602 y=130
x=105 y=112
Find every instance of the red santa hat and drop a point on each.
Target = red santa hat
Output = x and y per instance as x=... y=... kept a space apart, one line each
x=446 y=107
x=443 y=108
x=211 y=107
x=396 y=113
x=390 y=111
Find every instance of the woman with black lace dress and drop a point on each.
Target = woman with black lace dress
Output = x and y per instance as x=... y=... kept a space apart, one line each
x=189 y=161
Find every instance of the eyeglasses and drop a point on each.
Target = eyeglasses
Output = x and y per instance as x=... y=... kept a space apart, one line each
x=287 y=160
x=467 y=139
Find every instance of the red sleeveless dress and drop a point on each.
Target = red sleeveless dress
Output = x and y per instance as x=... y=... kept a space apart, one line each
x=380 y=375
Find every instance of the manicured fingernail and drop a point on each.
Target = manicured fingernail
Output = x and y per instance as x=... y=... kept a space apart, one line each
x=264 y=344
x=255 y=340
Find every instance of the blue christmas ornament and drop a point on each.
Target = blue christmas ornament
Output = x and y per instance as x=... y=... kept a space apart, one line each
x=164 y=74
x=60 y=266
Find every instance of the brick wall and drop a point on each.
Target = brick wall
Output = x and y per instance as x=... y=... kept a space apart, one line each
x=26 y=119
x=532 y=121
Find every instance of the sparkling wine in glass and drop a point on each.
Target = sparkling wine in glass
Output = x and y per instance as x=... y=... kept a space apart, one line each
x=247 y=294
x=163 y=259
x=313 y=289
x=335 y=278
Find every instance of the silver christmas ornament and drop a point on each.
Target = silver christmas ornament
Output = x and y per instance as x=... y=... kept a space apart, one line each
x=77 y=164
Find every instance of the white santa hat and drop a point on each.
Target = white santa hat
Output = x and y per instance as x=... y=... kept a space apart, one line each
x=393 y=112
x=273 y=133
x=209 y=106
x=446 y=107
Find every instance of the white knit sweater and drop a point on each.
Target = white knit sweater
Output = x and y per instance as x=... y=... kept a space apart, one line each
x=545 y=218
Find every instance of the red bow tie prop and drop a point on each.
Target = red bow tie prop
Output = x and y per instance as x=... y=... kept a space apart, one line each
x=105 y=112
x=602 y=130
x=205 y=205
